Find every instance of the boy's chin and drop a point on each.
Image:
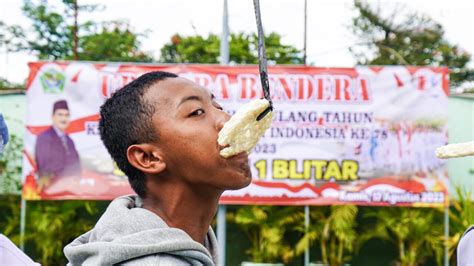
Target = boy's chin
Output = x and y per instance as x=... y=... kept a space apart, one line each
x=244 y=180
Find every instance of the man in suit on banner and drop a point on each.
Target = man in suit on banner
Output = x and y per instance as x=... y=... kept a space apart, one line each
x=55 y=152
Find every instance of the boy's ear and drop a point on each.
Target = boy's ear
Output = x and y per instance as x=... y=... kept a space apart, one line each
x=146 y=158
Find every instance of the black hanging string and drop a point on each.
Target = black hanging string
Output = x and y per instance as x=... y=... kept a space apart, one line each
x=262 y=61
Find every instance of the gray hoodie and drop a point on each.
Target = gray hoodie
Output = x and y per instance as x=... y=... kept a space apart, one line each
x=127 y=234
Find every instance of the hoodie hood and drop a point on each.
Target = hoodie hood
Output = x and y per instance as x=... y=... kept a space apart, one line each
x=126 y=232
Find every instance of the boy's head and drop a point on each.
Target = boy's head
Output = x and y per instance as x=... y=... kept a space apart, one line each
x=164 y=126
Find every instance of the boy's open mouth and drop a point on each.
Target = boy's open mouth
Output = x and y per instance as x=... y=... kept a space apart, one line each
x=239 y=156
x=243 y=156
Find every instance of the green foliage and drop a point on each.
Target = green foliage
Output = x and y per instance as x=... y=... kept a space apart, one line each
x=11 y=40
x=10 y=187
x=192 y=49
x=334 y=229
x=10 y=166
x=242 y=49
x=50 y=225
x=53 y=35
x=113 y=41
x=11 y=37
x=10 y=216
x=414 y=40
x=416 y=232
x=265 y=227
x=56 y=224
x=54 y=32
x=5 y=85
x=461 y=217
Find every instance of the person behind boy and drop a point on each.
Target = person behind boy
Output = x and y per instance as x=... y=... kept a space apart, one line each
x=3 y=134
x=162 y=130
x=465 y=248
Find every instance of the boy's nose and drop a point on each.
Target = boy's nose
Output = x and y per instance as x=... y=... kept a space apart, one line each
x=222 y=118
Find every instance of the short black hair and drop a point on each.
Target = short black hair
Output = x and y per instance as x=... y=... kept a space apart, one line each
x=126 y=119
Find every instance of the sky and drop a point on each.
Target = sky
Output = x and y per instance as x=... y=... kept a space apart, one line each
x=328 y=36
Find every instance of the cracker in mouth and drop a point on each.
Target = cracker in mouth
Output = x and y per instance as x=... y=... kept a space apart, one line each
x=242 y=132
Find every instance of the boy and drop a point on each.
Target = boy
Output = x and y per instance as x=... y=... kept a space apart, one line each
x=162 y=132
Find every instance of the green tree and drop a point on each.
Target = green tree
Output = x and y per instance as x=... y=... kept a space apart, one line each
x=5 y=85
x=334 y=229
x=12 y=38
x=414 y=39
x=10 y=188
x=53 y=225
x=461 y=217
x=10 y=166
x=417 y=233
x=113 y=41
x=58 y=36
x=265 y=227
x=242 y=49
x=53 y=33
x=50 y=225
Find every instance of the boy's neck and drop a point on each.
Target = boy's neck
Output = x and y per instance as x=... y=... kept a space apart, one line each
x=184 y=208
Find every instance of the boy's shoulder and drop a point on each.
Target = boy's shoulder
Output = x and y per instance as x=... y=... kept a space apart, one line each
x=155 y=259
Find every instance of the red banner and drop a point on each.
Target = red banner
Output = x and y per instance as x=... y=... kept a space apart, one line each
x=363 y=135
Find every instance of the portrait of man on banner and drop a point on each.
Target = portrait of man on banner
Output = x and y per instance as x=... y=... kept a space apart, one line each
x=55 y=152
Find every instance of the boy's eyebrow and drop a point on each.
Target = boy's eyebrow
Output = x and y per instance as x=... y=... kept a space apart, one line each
x=190 y=98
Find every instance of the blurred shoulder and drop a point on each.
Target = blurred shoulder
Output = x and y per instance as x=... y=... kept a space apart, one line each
x=465 y=248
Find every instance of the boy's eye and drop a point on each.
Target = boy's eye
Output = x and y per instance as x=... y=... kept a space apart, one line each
x=198 y=112
x=218 y=106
